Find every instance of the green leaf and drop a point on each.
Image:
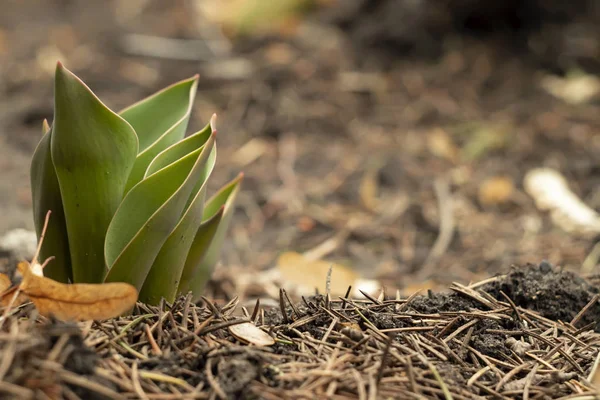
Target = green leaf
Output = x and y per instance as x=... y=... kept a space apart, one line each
x=163 y=278
x=179 y=150
x=46 y=197
x=93 y=151
x=202 y=240
x=159 y=121
x=225 y=199
x=148 y=215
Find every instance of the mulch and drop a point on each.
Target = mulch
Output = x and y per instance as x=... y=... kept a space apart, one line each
x=531 y=334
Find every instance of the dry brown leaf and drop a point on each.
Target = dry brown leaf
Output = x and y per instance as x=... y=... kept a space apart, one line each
x=6 y=293
x=496 y=190
x=5 y=282
x=249 y=333
x=6 y=298
x=309 y=275
x=76 y=302
x=80 y=301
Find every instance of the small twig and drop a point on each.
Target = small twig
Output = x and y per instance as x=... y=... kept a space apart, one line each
x=292 y=305
x=528 y=381
x=155 y=349
x=74 y=379
x=445 y=205
x=438 y=378
x=255 y=311
x=282 y=307
x=213 y=382
x=8 y=307
x=386 y=351
x=585 y=309
x=186 y=310
x=9 y=351
x=135 y=379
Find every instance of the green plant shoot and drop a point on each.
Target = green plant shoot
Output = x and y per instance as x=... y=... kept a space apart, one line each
x=128 y=192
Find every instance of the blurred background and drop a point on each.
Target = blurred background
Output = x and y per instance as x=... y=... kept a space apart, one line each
x=390 y=137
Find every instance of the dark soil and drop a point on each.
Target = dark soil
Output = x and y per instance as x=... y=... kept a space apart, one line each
x=559 y=296
x=474 y=342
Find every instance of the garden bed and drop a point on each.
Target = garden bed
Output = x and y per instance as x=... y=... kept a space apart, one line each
x=532 y=333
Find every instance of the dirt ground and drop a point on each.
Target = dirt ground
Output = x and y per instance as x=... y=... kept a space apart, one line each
x=332 y=137
x=377 y=141
x=473 y=343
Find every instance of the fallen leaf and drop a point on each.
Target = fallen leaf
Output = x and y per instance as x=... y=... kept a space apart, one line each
x=496 y=190
x=7 y=289
x=6 y=298
x=80 y=301
x=309 y=275
x=249 y=333
x=77 y=302
x=5 y=283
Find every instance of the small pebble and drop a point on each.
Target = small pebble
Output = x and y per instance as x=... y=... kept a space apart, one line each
x=545 y=267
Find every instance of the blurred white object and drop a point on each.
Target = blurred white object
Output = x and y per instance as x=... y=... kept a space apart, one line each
x=576 y=89
x=550 y=191
x=20 y=242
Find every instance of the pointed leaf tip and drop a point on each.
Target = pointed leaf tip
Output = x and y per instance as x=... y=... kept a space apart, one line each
x=45 y=126
x=213 y=123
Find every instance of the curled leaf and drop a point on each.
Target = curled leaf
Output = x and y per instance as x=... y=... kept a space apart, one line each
x=5 y=283
x=78 y=302
x=7 y=290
